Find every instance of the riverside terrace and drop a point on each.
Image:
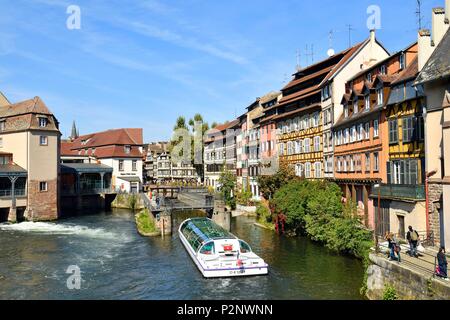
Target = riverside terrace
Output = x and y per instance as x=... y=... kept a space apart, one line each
x=85 y=186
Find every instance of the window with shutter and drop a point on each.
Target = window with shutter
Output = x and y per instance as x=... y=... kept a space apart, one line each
x=408 y=128
x=388 y=171
x=393 y=134
x=413 y=174
x=402 y=172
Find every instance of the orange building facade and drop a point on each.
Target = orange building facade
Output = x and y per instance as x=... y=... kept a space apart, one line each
x=361 y=134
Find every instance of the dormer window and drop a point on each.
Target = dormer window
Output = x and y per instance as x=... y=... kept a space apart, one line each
x=367 y=102
x=43 y=122
x=346 y=111
x=127 y=149
x=326 y=92
x=383 y=69
x=401 y=59
x=355 y=106
x=380 y=96
x=369 y=77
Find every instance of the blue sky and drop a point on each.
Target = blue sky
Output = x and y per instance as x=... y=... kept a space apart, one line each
x=142 y=63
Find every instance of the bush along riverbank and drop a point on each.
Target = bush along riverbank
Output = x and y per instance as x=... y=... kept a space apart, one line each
x=315 y=209
x=146 y=224
x=264 y=216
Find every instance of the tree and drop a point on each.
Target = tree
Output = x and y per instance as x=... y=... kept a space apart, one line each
x=180 y=123
x=268 y=185
x=227 y=181
x=315 y=208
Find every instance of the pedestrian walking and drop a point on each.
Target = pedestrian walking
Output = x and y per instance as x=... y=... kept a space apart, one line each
x=393 y=245
x=442 y=263
x=413 y=239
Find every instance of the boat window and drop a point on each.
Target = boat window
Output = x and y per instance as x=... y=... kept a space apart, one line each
x=207 y=248
x=244 y=247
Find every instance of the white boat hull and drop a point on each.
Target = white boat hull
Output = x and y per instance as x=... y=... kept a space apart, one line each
x=222 y=271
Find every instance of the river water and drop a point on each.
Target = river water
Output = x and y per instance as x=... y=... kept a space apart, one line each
x=116 y=263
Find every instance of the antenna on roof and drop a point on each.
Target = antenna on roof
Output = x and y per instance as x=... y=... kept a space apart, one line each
x=309 y=54
x=350 y=29
x=419 y=13
x=298 y=56
x=330 y=51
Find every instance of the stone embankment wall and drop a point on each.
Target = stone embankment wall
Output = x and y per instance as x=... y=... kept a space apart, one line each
x=122 y=201
x=408 y=283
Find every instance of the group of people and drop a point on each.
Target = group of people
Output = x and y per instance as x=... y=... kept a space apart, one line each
x=413 y=240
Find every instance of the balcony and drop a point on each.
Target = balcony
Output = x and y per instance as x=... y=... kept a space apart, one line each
x=8 y=193
x=414 y=192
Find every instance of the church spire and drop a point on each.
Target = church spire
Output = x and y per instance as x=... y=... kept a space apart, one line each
x=74 y=133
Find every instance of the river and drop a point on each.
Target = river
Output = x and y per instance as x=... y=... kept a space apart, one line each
x=116 y=263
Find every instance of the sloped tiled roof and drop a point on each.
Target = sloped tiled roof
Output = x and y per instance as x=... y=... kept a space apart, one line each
x=35 y=105
x=66 y=149
x=295 y=82
x=438 y=65
x=106 y=144
x=269 y=97
x=29 y=112
x=125 y=136
x=409 y=73
x=381 y=62
x=349 y=53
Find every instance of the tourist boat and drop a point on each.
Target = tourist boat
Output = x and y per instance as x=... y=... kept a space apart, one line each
x=217 y=252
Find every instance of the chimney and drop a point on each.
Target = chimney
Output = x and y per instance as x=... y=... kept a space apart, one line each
x=438 y=26
x=372 y=35
x=425 y=49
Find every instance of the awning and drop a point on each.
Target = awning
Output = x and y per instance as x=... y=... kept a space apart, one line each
x=85 y=168
x=130 y=178
x=8 y=170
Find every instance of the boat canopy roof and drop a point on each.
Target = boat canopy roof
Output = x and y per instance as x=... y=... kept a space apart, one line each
x=205 y=229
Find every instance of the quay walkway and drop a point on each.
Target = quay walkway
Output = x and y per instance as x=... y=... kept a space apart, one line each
x=424 y=264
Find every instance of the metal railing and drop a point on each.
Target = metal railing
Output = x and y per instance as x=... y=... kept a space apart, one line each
x=85 y=190
x=8 y=193
x=414 y=192
x=96 y=190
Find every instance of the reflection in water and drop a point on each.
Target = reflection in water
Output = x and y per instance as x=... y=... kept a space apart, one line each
x=117 y=263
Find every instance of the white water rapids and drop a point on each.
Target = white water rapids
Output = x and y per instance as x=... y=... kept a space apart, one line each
x=61 y=229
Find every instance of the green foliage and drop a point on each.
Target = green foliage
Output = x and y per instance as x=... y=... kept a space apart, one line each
x=180 y=123
x=264 y=216
x=269 y=184
x=314 y=208
x=389 y=293
x=145 y=223
x=227 y=182
x=244 y=197
x=132 y=201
